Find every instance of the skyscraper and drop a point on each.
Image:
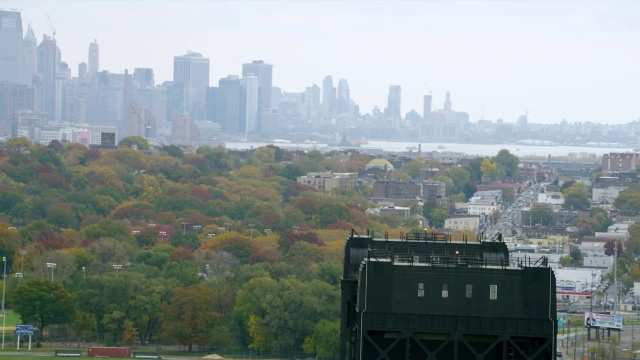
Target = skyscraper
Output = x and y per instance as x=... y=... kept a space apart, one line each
x=264 y=73
x=328 y=95
x=191 y=72
x=229 y=104
x=83 y=72
x=94 y=59
x=11 y=47
x=48 y=67
x=447 y=104
x=29 y=57
x=393 y=102
x=250 y=90
x=344 y=98
x=426 y=113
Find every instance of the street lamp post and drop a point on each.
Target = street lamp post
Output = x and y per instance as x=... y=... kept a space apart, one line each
x=4 y=286
x=23 y=252
x=184 y=228
x=251 y=226
x=53 y=267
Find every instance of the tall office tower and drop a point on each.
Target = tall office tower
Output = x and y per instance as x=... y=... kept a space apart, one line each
x=328 y=95
x=13 y=98
x=393 y=102
x=94 y=59
x=138 y=122
x=229 y=104
x=344 y=99
x=11 y=47
x=249 y=109
x=82 y=72
x=183 y=130
x=127 y=97
x=311 y=102
x=191 y=73
x=29 y=56
x=447 y=104
x=264 y=72
x=159 y=111
x=143 y=78
x=48 y=67
x=63 y=75
x=426 y=113
x=212 y=104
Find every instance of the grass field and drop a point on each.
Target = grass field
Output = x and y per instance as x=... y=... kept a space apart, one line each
x=11 y=319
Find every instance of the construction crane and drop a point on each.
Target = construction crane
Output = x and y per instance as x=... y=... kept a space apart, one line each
x=51 y=24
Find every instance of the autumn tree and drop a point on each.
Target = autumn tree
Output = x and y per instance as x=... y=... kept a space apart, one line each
x=490 y=171
x=189 y=317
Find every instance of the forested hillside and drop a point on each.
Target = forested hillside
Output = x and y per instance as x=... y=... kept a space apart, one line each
x=160 y=246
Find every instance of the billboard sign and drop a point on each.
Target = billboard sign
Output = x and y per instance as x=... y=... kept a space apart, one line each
x=603 y=321
x=24 y=330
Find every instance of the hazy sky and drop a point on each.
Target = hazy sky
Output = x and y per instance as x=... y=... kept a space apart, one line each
x=574 y=60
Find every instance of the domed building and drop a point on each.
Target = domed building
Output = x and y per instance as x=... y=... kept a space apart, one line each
x=378 y=168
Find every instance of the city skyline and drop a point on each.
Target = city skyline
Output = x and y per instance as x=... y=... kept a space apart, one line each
x=557 y=60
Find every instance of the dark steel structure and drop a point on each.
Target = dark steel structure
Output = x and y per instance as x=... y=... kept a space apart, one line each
x=425 y=297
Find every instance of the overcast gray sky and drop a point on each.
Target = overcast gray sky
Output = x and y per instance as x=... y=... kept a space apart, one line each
x=574 y=60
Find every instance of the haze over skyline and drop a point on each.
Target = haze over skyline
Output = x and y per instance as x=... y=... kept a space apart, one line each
x=558 y=60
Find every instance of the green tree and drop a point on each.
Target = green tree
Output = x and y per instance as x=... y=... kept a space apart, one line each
x=43 y=303
x=540 y=214
x=576 y=197
x=460 y=177
x=325 y=340
x=628 y=202
x=140 y=142
x=190 y=316
x=331 y=212
x=507 y=162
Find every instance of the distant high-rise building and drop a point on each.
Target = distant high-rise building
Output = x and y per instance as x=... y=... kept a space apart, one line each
x=48 y=68
x=328 y=95
x=139 y=121
x=159 y=111
x=83 y=72
x=212 y=104
x=250 y=90
x=344 y=98
x=311 y=104
x=13 y=98
x=447 y=104
x=191 y=73
x=393 y=102
x=143 y=78
x=11 y=47
x=94 y=58
x=229 y=100
x=29 y=57
x=426 y=113
x=183 y=130
x=264 y=73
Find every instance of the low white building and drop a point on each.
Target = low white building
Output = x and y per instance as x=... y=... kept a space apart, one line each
x=462 y=224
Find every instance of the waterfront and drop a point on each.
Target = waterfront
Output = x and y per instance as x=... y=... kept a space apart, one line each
x=578 y=152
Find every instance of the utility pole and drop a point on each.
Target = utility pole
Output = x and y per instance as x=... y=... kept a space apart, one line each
x=615 y=278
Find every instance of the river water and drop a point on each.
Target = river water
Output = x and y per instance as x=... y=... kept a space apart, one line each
x=580 y=152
